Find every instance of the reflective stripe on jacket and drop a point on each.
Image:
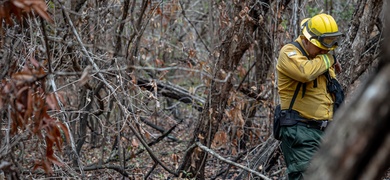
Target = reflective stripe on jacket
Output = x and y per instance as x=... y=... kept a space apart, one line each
x=293 y=67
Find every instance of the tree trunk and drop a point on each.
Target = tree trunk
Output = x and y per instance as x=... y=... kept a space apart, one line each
x=360 y=46
x=237 y=41
x=261 y=66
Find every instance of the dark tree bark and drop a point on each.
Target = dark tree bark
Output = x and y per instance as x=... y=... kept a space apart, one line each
x=357 y=145
x=263 y=60
x=237 y=41
x=360 y=46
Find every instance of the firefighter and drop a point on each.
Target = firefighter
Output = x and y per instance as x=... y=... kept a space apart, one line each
x=304 y=69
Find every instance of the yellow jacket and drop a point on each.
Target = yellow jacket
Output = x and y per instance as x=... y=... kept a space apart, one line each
x=293 y=67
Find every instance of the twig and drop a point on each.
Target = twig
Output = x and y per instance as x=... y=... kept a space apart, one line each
x=196 y=31
x=185 y=154
x=229 y=161
x=46 y=44
x=165 y=133
x=113 y=92
x=118 y=45
x=95 y=66
x=51 y=80
x=150 y=171
x=4 y=151
x=138 y=30
x=152 y=155
x=124 y=68
x=116 y=168
x=245 y=76
x=277 y=172
x=235 y=159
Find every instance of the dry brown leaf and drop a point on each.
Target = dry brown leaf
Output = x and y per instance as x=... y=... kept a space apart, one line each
x=223 y=136
x=51 y=101
x=133 y=79
x=85 y=77
x=47 y=167
x=175 y=158
x=19 y=8
x=192 y=53
x=134 y=143
x=19 y=4
x=200 y=136
x=55 y=161
x=34 y=62
x=239 y=133
x=159 y=62
x=41 y=10
x=228 y=113
x=65 y=131
x=5 y=13
x=234 y=151
x=23 y=77
x=220 y=139
x=147 y=135
x=240 y=119
x=16 y=12
x=241 y=71
x=55 y=132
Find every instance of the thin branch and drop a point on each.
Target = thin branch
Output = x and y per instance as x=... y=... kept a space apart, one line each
x=229 y=161
x=125 y=68
x=46 y=44
x=6 y=149
x=165 y=132
x=196 y=31
x=138 y=29
x=152 y=155
x=151 y=170
x=118 y=46
x=95 y=66
x=245 y=76
x=116 y=168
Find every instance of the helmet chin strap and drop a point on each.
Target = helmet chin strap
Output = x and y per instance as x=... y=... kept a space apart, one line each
x=312 y=39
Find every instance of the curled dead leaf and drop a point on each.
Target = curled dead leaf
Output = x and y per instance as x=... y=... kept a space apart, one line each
x=175 y=158
x=200 y=136
x=19 y=8
x=85 y=76
x=134 y=143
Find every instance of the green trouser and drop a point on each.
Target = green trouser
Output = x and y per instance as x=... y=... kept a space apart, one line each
x=299 y=143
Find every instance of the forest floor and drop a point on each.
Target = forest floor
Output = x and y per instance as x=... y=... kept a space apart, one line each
x=170 y=152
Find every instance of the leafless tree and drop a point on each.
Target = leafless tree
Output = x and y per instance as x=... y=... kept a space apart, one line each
x=158 y=89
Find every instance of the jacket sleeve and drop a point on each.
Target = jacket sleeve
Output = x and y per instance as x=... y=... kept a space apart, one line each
x=294 y=64
x=332 y=72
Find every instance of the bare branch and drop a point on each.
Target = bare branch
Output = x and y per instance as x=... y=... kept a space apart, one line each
x=230 y=162
x=108 y=166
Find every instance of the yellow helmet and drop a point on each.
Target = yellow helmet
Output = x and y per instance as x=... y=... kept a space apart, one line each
x=322 y=31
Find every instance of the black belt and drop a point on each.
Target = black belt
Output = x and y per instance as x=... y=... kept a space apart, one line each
x=293 y=117
x=320 y=125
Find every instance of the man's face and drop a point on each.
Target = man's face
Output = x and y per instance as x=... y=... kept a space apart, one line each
x=314 y=50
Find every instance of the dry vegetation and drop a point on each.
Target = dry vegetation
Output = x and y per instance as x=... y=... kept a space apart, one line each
x=111 y=89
